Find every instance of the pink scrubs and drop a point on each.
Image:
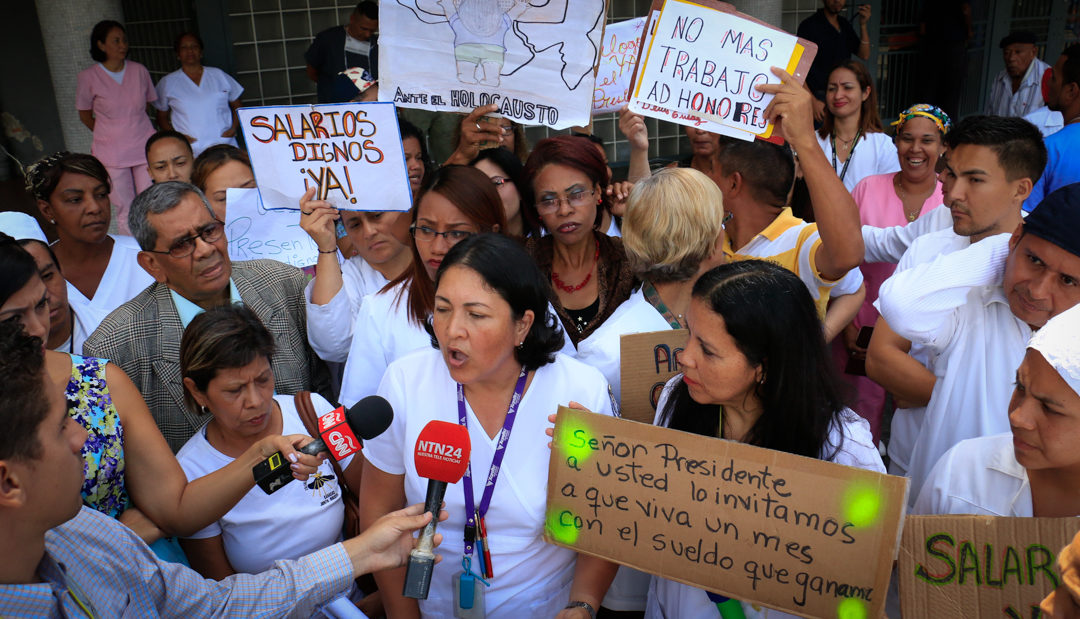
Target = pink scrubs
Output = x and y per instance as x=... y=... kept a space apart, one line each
x=121 y=128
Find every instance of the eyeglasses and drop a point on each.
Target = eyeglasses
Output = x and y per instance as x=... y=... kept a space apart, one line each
x=499 y=181
x=210 y=233
x=576 y=199
x=427 y=235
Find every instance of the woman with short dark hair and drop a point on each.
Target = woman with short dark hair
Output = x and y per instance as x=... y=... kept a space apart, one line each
x=755 y=371
x=508 y=175
x=112 y=98
x=496 y=372
x=218 y=169
x=198 y=101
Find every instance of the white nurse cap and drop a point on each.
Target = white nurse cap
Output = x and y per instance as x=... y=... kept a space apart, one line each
x=21 y=227
x=1059 y=343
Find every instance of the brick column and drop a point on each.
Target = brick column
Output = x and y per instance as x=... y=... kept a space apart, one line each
x=65 y=29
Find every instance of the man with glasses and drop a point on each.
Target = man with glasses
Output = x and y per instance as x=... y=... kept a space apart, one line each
x=185 y=250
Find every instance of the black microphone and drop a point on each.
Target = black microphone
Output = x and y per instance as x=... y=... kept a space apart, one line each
x=340 y=434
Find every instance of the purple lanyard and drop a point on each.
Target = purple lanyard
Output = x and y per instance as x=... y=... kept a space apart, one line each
x=471 y=513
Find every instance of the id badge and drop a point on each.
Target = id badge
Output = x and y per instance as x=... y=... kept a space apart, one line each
x=468 y=596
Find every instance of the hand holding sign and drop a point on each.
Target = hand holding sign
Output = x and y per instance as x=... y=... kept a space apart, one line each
x=792 y=104
x=317 y=219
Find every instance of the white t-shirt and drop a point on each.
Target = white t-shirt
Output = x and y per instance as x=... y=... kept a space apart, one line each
x=907 y=422
x=200 y=111
x=875 y=153
x=670 y=599
x=532 y=578
x=122 y=280
x=602 y=349
x=890 y=244
x=298 y=519
x=978 y=476
x=330 y=326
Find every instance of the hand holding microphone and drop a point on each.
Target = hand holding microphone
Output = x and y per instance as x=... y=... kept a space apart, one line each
x=442 y=456
x=340 y=434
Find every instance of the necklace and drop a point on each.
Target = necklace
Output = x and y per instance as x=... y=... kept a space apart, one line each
x=561 y=285
x=904 y=196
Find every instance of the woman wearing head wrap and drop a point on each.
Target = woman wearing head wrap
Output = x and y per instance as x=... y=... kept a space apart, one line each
x=1034 y=470
x=885 y=200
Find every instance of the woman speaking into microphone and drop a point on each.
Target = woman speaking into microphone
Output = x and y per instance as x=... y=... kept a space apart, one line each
x=497 y=373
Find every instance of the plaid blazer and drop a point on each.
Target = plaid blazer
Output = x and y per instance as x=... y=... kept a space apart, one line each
x=143 y=335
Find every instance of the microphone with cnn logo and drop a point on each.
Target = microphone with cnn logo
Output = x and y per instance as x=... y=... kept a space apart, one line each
x=442 y=456
x=340 y=434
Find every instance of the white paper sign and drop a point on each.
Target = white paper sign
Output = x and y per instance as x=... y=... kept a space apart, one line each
x=351 y=151
x=532 y=58
x=254 y=232
x=618 y=56
x=702 y=66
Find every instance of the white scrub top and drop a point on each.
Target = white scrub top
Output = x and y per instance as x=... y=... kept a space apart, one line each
x=978 y=476
x=330 y=326
x=201 y=111
x=122 y=280
x=875 y=153
x=532 y=578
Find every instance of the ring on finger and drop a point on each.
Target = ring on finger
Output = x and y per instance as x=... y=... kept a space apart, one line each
x=478 y=127
x=306 y=212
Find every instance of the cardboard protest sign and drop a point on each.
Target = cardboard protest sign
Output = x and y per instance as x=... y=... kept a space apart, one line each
x=350 y=151
x=980 y=566
x=647 y=361
x=792 y=533
x=703 y=62
x=254 y=232
x=535 y=60
x=618 y=57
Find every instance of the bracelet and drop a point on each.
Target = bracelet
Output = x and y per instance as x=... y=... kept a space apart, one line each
x=580 y=604
x=865 y=41
x=332 y=251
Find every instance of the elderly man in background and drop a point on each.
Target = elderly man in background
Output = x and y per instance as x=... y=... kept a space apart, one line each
x=1017 y=89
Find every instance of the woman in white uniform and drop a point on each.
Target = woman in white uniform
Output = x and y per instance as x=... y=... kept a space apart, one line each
x=851 y=134
x=225 y=361
x=198 y=101
x=102 y=271
x=458 y=202
x=1033 y=470
x=756 y=371
x=497 y=372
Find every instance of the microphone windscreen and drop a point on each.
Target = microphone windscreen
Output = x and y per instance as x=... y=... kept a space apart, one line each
x=442 y=451
x=370 y=417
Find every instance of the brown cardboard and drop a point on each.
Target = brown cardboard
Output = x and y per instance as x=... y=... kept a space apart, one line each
x=620 y=499
x=810 y=48
x=930 y=587
x=647 y=361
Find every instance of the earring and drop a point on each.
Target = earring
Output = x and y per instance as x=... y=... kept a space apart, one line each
x=204 y=410
x=52 y=221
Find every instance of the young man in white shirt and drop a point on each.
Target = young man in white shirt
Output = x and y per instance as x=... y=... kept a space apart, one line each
x=1003 y=151
x=975 y=309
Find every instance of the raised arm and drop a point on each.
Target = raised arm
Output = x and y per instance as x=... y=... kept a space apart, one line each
x=889 y=244
x=837 y=216
x=633 y=127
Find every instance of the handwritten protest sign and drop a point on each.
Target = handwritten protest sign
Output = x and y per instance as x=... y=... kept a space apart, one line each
x=350 y=151
x=534 y=60
x=703 y=64
x=618 y=56
x=979 y=566
x=647 y=361
x=255 y=232
x=791 y=533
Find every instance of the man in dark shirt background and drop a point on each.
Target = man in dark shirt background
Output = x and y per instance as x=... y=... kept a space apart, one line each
x=344 y=47
x=836 y=41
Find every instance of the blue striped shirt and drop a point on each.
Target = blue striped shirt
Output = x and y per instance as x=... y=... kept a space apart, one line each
x=95 y=566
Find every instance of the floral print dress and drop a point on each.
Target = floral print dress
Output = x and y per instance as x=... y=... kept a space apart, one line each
x=89 y=403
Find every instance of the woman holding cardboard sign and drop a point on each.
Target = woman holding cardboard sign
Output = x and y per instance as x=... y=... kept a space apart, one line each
x=851 y=134
x=756 y=371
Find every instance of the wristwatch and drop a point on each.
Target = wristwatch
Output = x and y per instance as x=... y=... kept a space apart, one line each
x=585 y=605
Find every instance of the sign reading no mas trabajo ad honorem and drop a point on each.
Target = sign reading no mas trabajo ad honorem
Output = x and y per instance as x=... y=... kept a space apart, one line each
x=792 y=533
x=351 y=152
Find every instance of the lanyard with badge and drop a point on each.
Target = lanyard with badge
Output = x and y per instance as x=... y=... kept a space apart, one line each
x=851 y=155
x=653 y=297
x=469 y=586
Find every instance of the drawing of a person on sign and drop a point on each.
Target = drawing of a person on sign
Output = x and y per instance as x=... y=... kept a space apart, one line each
x=480 y=28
